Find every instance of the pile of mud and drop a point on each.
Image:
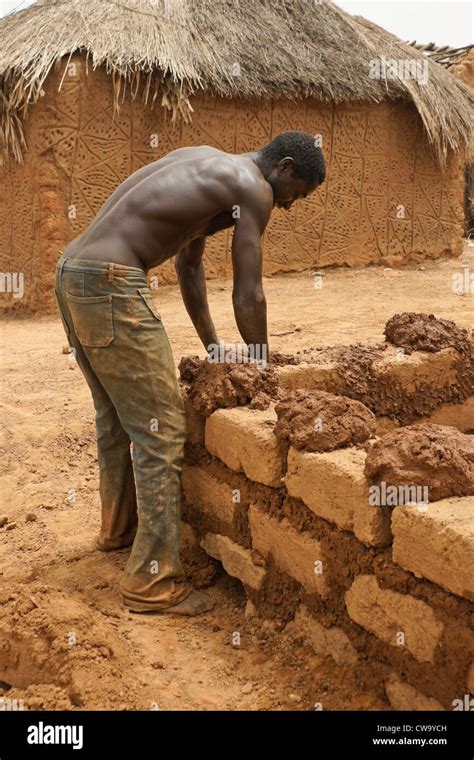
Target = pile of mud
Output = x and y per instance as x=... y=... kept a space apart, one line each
x=425 y=332
x=435 y=457
x=321 y=421
x=214 y=386
x=385 y=395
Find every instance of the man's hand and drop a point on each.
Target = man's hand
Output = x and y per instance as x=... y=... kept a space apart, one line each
x=236 y=353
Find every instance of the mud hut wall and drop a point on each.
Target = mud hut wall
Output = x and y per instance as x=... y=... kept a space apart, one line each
x=384 y=201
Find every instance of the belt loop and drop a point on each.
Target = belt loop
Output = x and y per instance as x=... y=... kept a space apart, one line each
x=62 y=261
x=111 y=273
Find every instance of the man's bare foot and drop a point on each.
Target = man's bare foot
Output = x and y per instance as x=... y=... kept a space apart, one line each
x=195 y=604
x=104 y=545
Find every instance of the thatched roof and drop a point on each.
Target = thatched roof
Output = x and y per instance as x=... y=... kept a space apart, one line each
x=169 y=49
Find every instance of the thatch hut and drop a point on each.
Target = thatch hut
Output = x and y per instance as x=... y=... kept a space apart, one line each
x=91 y=90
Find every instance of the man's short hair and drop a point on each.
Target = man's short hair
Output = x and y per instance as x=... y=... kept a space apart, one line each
x=303 y=149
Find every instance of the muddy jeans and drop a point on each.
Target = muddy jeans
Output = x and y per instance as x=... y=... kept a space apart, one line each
x=122 y=348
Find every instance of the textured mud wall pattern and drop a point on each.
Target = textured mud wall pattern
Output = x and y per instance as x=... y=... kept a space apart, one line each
x=384 y=199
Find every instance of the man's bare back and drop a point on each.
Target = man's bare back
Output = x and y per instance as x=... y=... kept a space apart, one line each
x=161 y=208
x=168 y=209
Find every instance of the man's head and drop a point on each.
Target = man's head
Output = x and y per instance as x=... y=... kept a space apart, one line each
x=293 y=165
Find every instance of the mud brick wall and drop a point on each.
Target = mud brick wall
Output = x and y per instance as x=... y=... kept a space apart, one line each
x=384 y=201
x=388 y=590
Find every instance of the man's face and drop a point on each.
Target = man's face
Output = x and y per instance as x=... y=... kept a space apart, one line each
x=286 y=188
x=286 y=193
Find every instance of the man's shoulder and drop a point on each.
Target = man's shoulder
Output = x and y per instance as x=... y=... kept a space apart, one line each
x=247 y=181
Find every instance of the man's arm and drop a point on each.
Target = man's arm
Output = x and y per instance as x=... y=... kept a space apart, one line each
x=248 y=298
x=192 y=282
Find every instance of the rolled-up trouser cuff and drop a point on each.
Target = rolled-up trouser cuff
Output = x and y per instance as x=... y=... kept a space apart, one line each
x=105 y=544
x=141 y=595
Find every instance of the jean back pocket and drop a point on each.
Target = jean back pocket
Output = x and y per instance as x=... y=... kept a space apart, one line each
x=92 y=318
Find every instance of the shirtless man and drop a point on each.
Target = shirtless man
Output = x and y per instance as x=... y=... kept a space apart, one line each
x=165 y=209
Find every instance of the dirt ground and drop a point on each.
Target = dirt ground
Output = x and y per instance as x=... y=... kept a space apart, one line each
x=59 y=610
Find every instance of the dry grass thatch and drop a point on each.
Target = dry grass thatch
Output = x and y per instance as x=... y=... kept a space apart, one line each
x=170 y=49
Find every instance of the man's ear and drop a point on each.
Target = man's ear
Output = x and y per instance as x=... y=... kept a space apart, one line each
x=285 y=166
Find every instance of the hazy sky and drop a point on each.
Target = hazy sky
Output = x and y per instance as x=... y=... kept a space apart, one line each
x=447 y=23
